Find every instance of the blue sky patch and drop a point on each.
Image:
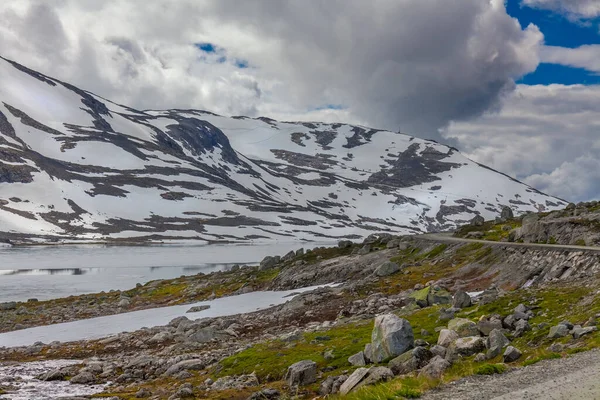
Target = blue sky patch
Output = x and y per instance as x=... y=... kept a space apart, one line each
x=207 y=47
x=557 y=30
x=330 y=107
x=546 y=74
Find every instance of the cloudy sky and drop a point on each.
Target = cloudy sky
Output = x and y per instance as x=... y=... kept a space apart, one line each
x=514 y=85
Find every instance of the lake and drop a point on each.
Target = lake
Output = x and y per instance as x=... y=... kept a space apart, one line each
x=47 y=272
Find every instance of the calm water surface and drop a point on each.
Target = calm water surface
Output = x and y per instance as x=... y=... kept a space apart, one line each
x=46 y=272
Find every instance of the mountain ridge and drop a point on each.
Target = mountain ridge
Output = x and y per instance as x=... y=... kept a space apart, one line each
x=75 y=166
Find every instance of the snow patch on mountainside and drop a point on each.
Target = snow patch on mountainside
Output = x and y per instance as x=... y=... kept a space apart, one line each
x=74 y=166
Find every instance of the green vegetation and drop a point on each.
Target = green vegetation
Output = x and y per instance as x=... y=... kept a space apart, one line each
x=492 y=231
x=536 y=360
x=490 y=369
x=580 y=242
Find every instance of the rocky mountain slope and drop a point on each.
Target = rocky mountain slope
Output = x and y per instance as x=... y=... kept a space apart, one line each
x=75 y=166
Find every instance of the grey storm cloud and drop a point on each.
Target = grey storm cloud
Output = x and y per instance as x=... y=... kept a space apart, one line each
x=407 y=65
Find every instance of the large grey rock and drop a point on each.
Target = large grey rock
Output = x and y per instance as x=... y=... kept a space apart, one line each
x=344 y=244
x=507 y=213
x=353 y=380
x=461 y=300
x=495 y=343
x=387 y=268
x=579 y=331
x=301 y=373
x=511 y=354
x=204 y=335
x=161 y=337
x=269 y=262
x=521 y=326
x=478 y=220
x=366 y=249
x=11 y=305
x=358 y=359
x=486 y=325
x=194 y=365
x=84 y=378
x=332 y=384
x=391 y=337
x=467 y=346
x=464 y=327
x=410 y=361
x=368 y=353
x=558 y=331
x=435 y=368
x=438 y=350
x=447 y=337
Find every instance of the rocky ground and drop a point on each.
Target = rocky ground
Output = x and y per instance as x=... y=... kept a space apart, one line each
x=409 y=313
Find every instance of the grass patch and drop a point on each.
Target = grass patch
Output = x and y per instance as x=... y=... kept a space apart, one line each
x=536 y=360
x=490 y=369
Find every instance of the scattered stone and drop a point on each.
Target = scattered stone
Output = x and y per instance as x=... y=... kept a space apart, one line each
x=438 y=350
x=507 y=213
x=463 y=327
x=391 y=337
x=521 y=326
x=480 y=357
x=511 y=354
x=366 y=249
x=486 y=325
x=353 y=380
x=556 y=348
x=198 y=308
x=461 y=300
x=579 y=331
x=344 y=244
x=358 y=359
x=269 y=262
x=478 y=220
x=467 y=346
x=387 y=268
x=495 y=343
x=447 y=337
x=435 y=368
x=143 y=393
x=410 y=361
x=84 y=378
x=194 y=365
x=124 y=302
x=266 y=394
x=332 y=384
x=301 y=373
x=558 y=331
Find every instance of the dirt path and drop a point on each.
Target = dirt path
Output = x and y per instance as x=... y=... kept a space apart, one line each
x=573 y=378
x=447 y=237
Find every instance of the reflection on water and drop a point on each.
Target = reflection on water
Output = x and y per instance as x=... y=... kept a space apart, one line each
x=46 y=272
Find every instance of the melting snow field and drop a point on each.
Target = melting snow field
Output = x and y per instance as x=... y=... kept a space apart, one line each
x=21 y=377
x=47 y=272
x=95 y=328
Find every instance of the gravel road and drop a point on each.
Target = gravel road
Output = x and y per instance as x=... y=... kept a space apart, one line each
x=573 y=378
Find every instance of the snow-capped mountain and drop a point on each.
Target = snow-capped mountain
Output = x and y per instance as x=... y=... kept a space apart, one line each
x=76 y=166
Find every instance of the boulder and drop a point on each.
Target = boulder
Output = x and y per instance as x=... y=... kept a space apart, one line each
x=266 y=394
x=11 y=305
x=196 y=309
x=84 y=378
x=366 y=249
x=446 y=314
x=579 y=331
x=368 y=353
x=447 y=337
x=332 y=384
x=410 y=361
x=353 y=380
x=485 y=325
x=495 y=343
x=435 y=368
x=438 y=295
x=387 y=268
x=478 y=220
x=521 y=326
x=269 y=262
x=511 y=354
x=438 y=350
x=289 y=256
x=507 y=213
x=124 y=302
x=194 y=365
x=391 y=337
x=558 y=331
x=467 y=346
x=301 y=373
x=344 y=244
x=463 y=327
x=461 y=300
x=358 y=359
